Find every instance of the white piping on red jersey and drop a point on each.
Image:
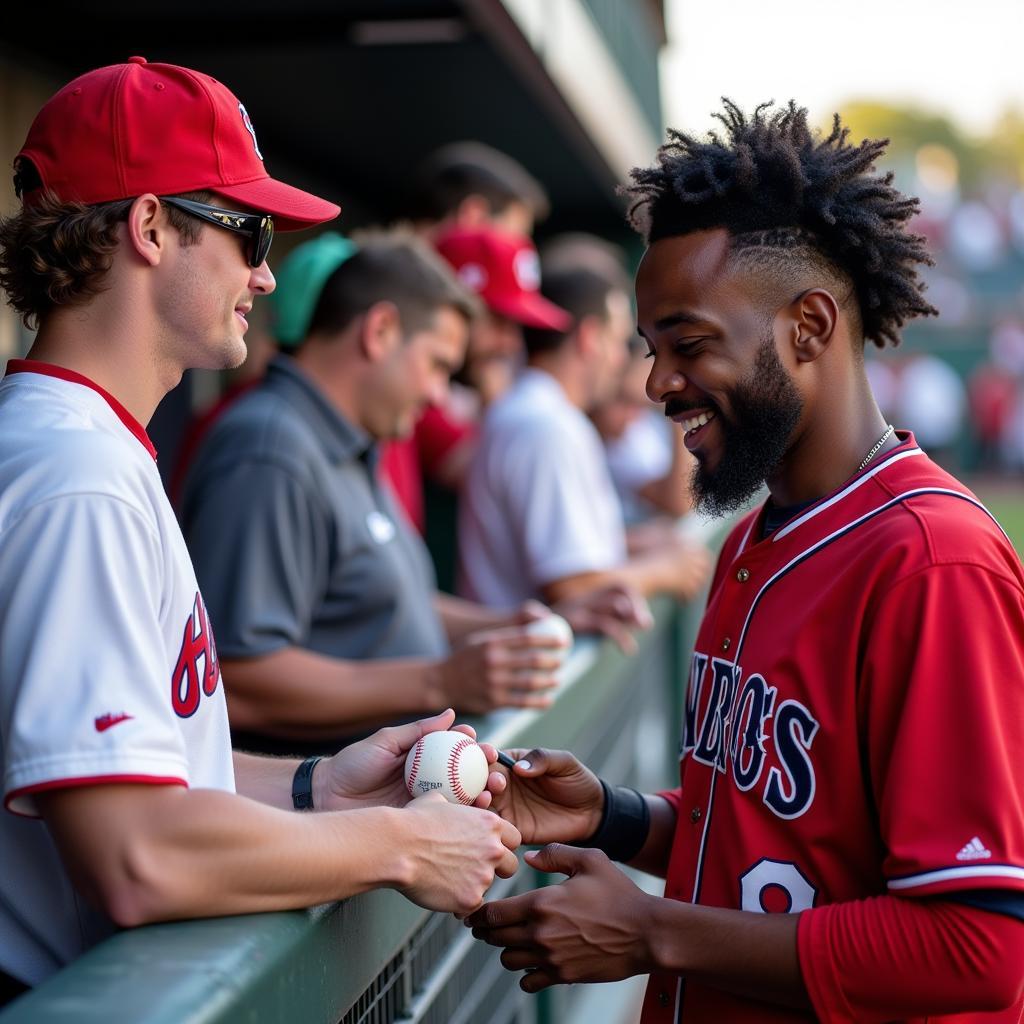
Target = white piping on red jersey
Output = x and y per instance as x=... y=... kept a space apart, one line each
x=852 y=525
x=746 y=536
x=953 y=874
x=839 y=495
x=829 y=502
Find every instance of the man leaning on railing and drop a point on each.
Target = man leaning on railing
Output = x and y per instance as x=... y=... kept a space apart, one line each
x=139 y=249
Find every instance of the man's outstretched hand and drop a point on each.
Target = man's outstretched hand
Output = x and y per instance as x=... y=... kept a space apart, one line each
x=549 y=796
x=371 y=773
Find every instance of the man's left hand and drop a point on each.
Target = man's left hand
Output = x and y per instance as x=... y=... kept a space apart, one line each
x=590 y=928
x=371 y=773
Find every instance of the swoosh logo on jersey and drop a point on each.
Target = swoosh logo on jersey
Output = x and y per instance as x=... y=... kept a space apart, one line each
x=108 y=721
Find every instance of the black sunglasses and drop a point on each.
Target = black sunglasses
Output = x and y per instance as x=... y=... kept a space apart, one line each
x=259 y=227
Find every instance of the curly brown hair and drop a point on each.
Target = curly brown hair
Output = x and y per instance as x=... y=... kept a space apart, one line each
x=57 y=253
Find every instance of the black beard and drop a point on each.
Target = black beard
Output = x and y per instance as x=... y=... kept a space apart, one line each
x=765 y=410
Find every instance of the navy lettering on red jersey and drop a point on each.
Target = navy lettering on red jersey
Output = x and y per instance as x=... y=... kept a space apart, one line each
x=712 y=748
x=744 y=736
x=697 y=665
x=189 y=676
x=795 y=728
x=847 y=628
x=756 y=703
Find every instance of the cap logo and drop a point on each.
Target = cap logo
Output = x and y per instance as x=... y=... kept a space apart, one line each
x=526 y=267
x=472 y=275
x=249 y=128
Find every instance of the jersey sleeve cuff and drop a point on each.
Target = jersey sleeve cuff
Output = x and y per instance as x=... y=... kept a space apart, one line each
x=818 y=971
x=23 y=781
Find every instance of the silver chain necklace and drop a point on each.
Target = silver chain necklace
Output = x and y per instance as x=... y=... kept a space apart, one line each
x=878 y=446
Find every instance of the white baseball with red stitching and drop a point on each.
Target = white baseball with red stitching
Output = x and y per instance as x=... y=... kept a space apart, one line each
x=449 y=763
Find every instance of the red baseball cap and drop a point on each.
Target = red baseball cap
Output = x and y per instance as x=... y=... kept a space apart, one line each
x=503 y=269
x=126 y=129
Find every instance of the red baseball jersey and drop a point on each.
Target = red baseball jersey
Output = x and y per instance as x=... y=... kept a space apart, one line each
x=855 y=713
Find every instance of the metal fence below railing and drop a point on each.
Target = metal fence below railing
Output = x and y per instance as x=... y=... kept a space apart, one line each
x=378 y=959
x=443 y=976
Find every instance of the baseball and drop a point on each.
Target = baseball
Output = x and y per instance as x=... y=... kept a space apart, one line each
x=449 y=763
x=554 y=626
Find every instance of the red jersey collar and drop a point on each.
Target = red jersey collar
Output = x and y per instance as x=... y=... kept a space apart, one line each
x=907 y=443
x=62 y=373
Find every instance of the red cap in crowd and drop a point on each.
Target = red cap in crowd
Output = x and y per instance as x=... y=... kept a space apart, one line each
x=123 y=130
x=503 y=269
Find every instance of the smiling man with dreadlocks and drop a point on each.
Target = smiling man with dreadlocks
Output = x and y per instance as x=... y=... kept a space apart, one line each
x=847 y=839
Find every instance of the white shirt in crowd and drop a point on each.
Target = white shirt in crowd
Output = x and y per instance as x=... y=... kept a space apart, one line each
x=539 y=504
x=642 y=454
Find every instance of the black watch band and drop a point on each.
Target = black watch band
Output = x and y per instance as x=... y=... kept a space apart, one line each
x=302 y=784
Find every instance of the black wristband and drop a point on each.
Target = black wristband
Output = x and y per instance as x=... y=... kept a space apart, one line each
x=625 y=824
x=302 y=784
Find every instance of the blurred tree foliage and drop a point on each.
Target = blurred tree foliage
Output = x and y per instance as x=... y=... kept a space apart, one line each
x=1008 y=142
x=1000 y=153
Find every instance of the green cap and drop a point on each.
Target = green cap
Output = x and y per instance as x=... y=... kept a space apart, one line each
x=300 y=280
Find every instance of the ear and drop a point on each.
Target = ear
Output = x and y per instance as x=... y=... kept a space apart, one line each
x=813 y=317
x=149 y=233
x=380 y=331
x=587 y=336
x=473 y=212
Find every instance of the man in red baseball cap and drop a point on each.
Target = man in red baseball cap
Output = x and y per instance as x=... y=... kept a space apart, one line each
x=126 y=129
x=139 y=249
x=504 y=270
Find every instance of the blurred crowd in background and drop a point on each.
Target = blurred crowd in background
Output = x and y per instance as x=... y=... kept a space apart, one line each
x=479 y=208
x=958 y=382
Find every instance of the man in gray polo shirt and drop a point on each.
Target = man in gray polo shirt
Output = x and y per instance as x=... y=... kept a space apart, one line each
x=323 y=598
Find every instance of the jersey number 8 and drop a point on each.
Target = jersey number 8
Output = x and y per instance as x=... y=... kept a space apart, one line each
x=775 y=887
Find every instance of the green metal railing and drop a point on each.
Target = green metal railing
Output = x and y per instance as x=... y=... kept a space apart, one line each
x=377 y=958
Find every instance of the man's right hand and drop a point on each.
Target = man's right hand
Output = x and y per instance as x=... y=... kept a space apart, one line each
x=454 y=852
x=614 y=610
x=550 y=797
x=498 y=668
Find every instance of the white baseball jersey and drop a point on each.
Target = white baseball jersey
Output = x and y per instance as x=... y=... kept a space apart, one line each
x=108 y=669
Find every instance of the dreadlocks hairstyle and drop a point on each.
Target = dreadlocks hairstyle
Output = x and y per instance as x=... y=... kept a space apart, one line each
x=788 y=193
